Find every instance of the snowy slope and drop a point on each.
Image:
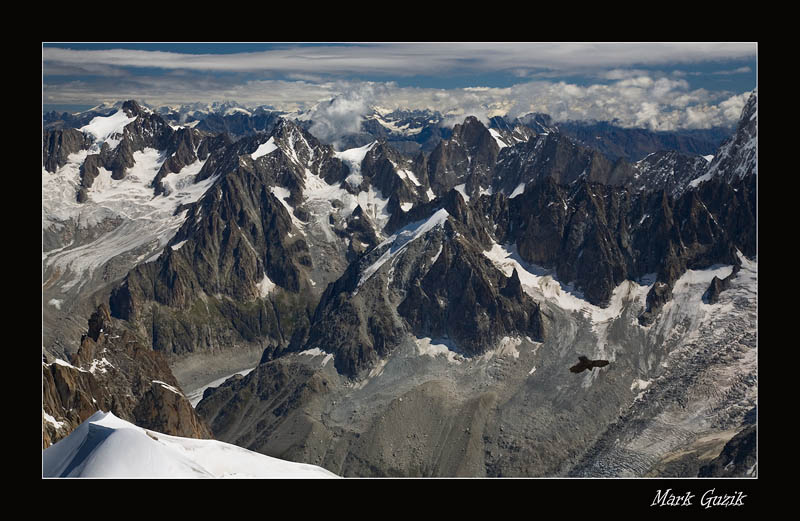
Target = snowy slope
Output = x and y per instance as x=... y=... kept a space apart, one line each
x=401 y=239
x=103 y=128
x=105 y=446
x=145 y=223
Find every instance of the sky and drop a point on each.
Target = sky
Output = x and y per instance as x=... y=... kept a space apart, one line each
x=655 y=85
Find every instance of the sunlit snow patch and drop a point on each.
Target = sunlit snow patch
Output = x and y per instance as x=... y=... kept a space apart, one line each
x=401 y=239
x=51 y=420
x=353 y=157
x=429 y=347
x=539 y=283
x=463 y=191
x=105 y=446
x=168 y=387
x=103 y=127
x=517 y=191
x=327 y=357
x=100 y=365
x=265 y=286
x=496 y=135
x=265 y=148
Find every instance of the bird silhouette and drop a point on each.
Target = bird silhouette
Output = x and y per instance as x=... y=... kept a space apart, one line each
x=584 y=363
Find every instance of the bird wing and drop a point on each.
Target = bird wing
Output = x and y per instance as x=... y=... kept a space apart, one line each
x=599 y=363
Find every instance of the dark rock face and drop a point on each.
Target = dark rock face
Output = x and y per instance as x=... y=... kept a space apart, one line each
x=466 y=158
x=347 y=326
x=557 y=156
x=597 y=236
x=717 y=286
x=212 y=144
x=99 y=322
x=180 y=152
x=734 y=207
x=229 y=255
x=633 y=144
x=57 y=145
x=239 y=124
x=114 y=371
x=274 y=393
x=361 y=231
x=737 y=459
x=239 y=237
x=379 y=169
x=441 y=286
x=464 y=297
x=667 y=170
x=736 y=157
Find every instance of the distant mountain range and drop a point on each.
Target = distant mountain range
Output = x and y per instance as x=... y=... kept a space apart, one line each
x=411 y=131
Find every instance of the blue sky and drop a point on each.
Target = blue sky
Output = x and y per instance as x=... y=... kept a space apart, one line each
x=657 y=85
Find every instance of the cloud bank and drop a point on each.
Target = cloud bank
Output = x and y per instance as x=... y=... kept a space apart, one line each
x=319 y=78
x=413 y=58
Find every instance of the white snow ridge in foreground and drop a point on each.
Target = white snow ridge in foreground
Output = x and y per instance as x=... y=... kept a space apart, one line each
x=105 y=446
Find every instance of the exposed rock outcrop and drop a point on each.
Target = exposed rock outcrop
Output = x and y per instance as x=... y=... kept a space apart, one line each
x=737 y=459
x=59 y=144
x=113 y=371
x=430 y=279
x=241 y=260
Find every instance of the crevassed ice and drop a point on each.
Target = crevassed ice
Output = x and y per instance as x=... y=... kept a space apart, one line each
x=148 y=222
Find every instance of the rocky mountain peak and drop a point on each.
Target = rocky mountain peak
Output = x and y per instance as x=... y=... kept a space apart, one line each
x=750 y=110
x=475 y=137
x=538 y=122
x=669 y=170
x=99 y=322
x=737 y=156
x=132 y=108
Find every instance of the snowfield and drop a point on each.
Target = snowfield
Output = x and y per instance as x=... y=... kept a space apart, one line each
x=147 y=222
x=103 y=128
x=105 y=446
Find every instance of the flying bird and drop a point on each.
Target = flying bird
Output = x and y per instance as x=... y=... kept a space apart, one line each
x=584 y=363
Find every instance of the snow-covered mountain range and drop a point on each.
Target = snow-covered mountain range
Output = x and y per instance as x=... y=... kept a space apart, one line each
x=409 y=131
x=407 y=301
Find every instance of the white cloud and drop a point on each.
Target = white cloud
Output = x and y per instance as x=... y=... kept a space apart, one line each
x=740 y=70
x=414 y=58
x=342 y=115
x=632 y=96
x=660 y=104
